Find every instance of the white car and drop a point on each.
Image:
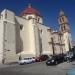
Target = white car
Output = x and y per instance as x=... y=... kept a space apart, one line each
x=26 y=61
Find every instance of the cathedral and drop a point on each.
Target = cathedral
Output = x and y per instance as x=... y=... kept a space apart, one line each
x=27 y=36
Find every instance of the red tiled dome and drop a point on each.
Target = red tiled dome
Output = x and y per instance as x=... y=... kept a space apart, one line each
x=30 y=10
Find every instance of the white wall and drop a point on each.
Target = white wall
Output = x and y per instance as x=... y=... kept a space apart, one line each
x=56 y=41
x=46 y=38
x=32 y=37
x=8 y=36
x=1 y=40
x=67 y=38
x=27 y=37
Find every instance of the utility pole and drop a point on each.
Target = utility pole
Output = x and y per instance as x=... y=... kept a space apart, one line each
x=52 y=41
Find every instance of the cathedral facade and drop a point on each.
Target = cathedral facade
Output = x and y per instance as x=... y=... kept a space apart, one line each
x=27 y=36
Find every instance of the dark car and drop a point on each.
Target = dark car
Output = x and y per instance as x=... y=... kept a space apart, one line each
x=42 y=58
x=56 y=59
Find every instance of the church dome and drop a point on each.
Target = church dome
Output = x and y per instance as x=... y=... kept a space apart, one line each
x=30 y=10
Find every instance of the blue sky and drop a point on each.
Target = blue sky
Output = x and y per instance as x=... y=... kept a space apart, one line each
x=49 y=9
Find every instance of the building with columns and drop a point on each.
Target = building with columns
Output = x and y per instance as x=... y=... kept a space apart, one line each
x=27 y=36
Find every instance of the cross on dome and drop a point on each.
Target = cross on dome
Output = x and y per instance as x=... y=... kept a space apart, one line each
x=61 y=12
x=29 y=5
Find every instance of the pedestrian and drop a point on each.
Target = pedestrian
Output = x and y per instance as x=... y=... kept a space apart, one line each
x=68 y=57
x=20 y=57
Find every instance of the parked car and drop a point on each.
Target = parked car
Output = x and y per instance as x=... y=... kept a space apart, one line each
x=55 y=59
x=42 y=58
x=26 y=61
x=69 y=56
x=33 y=59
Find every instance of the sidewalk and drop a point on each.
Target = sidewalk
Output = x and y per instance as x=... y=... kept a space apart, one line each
x=8 y=65
x=3 y=66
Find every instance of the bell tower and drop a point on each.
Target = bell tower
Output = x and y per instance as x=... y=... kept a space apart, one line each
x=65 y=30
x=63 y=22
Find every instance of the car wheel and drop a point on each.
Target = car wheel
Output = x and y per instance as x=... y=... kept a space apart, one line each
x=56 y=63
x=40 y=60
x=24 y=63
x=47 y=64
x=21 y=63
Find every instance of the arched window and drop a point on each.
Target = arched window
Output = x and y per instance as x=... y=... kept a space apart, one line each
x=64 y=27
x=21 y=27
x=41 y=31
x=38 y=19
x=62 y=19
x=2 y=16
x=30 y=17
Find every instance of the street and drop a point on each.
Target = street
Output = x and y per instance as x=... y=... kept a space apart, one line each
x=39 y=68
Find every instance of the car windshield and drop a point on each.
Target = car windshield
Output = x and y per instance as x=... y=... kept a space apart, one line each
x=51 y=57
x=55 y=57
x=27 y=58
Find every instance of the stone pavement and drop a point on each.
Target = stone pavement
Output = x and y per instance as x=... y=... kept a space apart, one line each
x=8 y=65
x=36 y=69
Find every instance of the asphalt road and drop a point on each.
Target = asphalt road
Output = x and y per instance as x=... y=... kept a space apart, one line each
x=36 y=69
